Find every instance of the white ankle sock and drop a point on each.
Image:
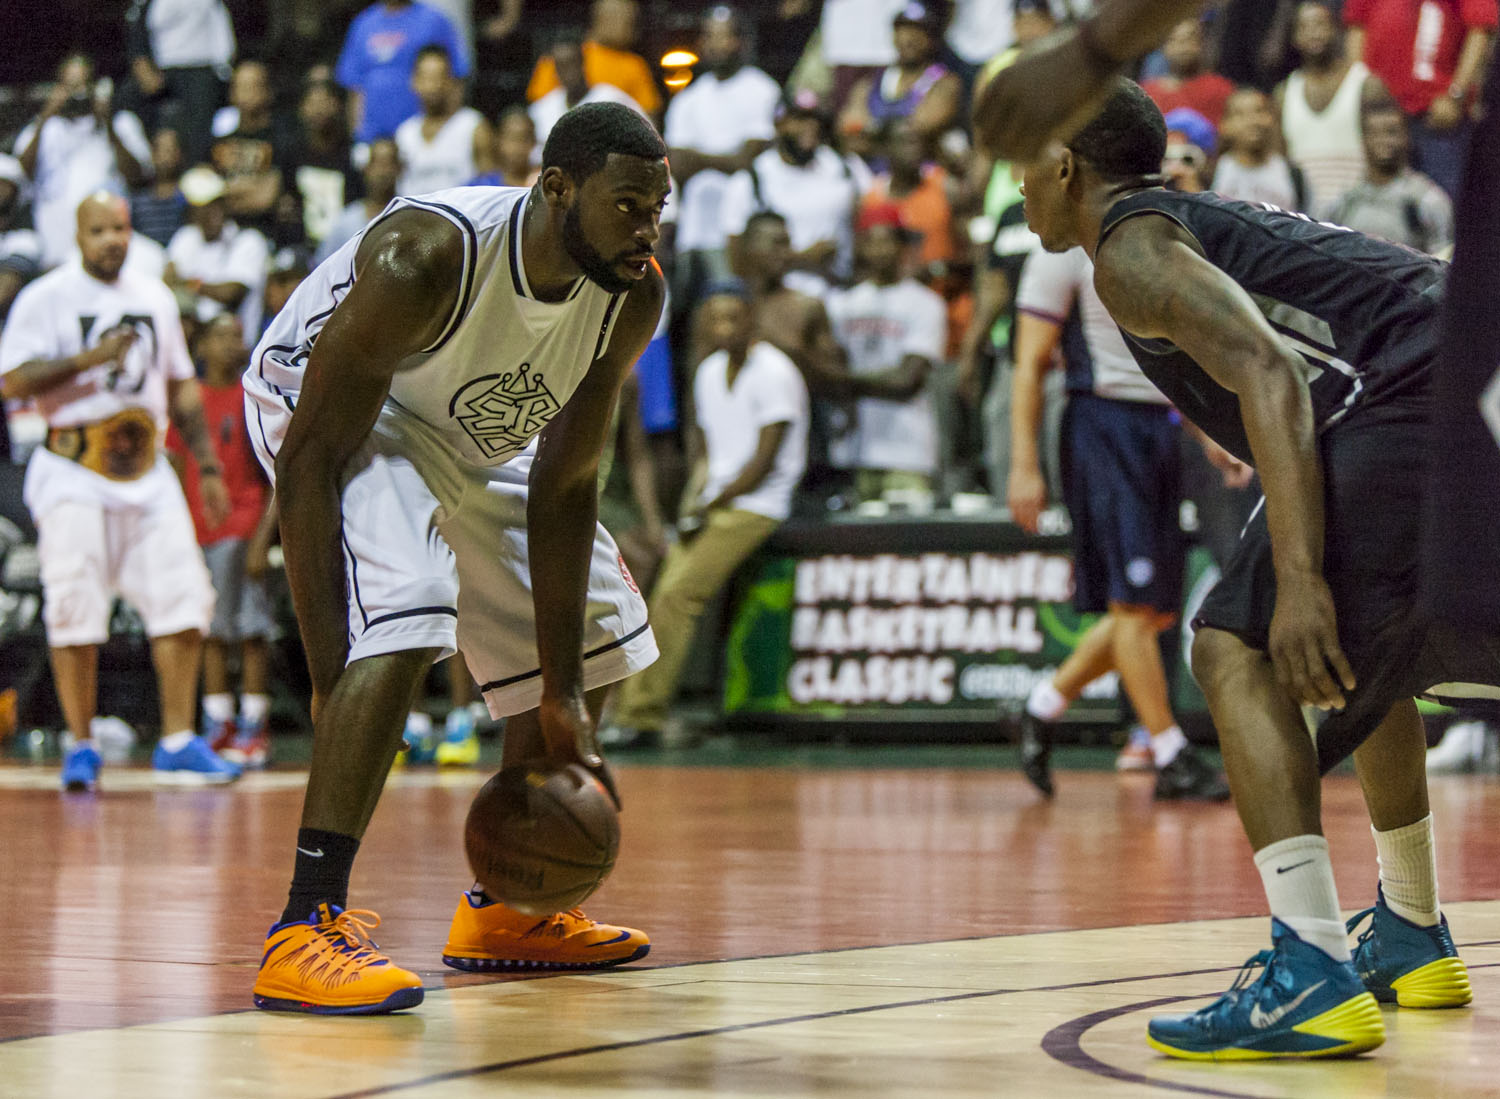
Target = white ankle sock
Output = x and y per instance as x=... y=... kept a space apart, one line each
x=254 y=708
x=1298 y=878
x=1166 y=744
x=176 y=742
x=1408 y=871
x=1046 y=703
x=219 y=707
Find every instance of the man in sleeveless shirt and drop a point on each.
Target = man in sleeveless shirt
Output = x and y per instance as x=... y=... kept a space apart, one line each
x=1319 y=104
x=445 y=144
x=1306 y=350
x=393 y=400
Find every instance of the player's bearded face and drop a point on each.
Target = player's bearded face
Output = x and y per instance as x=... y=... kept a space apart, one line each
x=598 y=269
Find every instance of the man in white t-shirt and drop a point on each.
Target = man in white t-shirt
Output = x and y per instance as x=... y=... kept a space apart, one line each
x=221 y=265
x=445 y=144
x=808 y=183
x=716 y=126
x=748 y=450
x=101 y=355
x=76 y=146
x=894 y=331
x=573 y=89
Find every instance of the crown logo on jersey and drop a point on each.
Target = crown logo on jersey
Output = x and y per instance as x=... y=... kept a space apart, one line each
x=504 y=412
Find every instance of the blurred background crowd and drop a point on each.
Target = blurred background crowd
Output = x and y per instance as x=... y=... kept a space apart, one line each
x=821 y=155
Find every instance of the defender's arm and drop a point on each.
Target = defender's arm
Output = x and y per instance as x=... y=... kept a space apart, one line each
x=1155 y=282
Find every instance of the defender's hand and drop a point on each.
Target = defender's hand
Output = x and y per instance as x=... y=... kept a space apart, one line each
x=1014 y=119
x=1304 y=643
x=571 y=737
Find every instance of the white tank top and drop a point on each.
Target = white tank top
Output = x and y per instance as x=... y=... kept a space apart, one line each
x=1326 y=144
x=505 y=362
x=445 y=161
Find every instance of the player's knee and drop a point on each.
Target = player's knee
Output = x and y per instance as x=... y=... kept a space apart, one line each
x=1216 y=657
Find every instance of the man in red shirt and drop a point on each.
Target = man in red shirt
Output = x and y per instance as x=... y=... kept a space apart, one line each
x=1430 y=57
x=235 y=551
x=1187 y=84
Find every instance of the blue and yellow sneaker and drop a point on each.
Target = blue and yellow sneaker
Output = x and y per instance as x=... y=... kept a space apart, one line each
x=327 y=964
x=1303 y=1004
x=1406 y=964
x=460 y=744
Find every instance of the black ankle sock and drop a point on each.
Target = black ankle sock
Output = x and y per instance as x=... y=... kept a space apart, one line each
x=322 y=875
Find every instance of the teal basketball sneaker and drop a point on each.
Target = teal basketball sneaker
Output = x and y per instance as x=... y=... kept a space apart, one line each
x=1303 y=1004
x=1403 y=963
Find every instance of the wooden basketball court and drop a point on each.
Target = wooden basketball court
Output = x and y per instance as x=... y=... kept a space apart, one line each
x=816 y=931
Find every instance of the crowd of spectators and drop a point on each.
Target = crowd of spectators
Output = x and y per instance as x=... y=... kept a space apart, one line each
x=880 y=250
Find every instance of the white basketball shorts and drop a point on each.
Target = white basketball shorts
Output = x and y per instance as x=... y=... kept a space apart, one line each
x=436 y=556
x=98 y=538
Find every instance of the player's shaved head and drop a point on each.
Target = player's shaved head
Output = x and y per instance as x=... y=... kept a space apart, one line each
x=103 y=234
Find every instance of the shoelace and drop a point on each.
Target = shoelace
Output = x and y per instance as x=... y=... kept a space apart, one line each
x=355 y=925
x=1354 y=921
x=1243 y=985
x=557 y=923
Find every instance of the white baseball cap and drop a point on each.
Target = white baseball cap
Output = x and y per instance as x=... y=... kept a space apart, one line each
x=201 y=185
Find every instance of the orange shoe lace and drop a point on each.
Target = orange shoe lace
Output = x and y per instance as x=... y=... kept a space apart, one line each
x=557 y=924
x=332 y=964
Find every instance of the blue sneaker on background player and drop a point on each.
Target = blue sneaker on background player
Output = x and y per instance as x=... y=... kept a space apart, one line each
x=1303 y=1004
x=80 y=773
x=194 y=764
x=1404 y=963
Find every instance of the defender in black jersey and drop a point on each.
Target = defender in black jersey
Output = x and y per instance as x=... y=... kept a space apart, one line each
x=1308 y=351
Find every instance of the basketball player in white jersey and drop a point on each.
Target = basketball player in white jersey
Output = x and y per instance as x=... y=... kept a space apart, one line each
x=99 y=351
x=446 y=144
x=391 y=400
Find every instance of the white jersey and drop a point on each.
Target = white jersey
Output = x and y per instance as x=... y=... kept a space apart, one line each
x=447 y=160
x=68 y=311
x=505 y=363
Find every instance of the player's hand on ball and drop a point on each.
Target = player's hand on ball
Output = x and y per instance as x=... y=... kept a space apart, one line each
x=572 y=738
x=1304 y=642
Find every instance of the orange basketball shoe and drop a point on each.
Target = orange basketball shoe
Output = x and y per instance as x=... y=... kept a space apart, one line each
x=487 y=936
x=327 y=964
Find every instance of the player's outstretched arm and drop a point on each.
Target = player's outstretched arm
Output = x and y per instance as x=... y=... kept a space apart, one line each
x=1155 y=283
x=1057 y=84
x=562 y=513
x=407 y=273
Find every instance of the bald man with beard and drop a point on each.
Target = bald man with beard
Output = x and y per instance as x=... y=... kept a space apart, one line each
x=100 y=353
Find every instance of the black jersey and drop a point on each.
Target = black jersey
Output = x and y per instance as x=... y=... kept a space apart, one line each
x=1363 y=313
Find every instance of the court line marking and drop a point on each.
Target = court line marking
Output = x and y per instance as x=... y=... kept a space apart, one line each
x=1084 y=1061
x=1064 y=1043
x=761 y=1024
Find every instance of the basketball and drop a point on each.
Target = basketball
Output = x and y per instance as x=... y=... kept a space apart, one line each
x=542 y=839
